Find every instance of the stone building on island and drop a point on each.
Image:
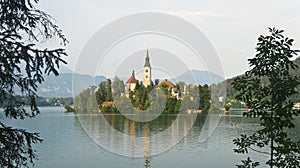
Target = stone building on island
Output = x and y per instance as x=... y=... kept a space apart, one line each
x=131 y=82
x=170 y=86
x=147 y=71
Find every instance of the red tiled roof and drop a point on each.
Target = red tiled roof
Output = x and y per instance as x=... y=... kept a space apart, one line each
x=111 y=103
x=131 y=79
x=166 y=82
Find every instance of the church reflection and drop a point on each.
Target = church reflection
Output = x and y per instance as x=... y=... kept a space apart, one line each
x=136 y=139
x=147 y=146
x=146 y=136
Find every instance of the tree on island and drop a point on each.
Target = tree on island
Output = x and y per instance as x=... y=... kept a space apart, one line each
x=68 y=108
x=23 y=65
x=104 y=93
x=118 y=87
x=111 y=94
x=86 y=101
x=267 y=89
x=140 y=96
x=204 y=93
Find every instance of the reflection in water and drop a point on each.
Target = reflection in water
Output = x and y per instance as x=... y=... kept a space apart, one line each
x=123 y=136
x=66 y=144
x=130 y=126
x=140 y=139
x=147 y=146
x=148 y=131
x=132 y=136
x=143 y=130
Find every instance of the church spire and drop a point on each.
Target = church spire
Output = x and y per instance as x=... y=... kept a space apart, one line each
x=147 y=61
x=147 y=71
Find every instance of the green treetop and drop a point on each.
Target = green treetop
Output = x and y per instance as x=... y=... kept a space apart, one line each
x=267 y=89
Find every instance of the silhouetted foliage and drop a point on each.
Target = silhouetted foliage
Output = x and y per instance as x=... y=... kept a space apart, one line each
x=21 y=27
x=267 y=89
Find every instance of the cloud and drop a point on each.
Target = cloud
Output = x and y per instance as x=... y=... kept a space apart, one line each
x=195 y=14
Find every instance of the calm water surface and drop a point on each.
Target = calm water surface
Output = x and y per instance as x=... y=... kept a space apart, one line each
x=67 y=145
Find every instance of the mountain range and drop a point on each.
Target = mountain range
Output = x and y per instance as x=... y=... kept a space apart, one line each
x=197 y=77
x=63 y=86
x=230 y=91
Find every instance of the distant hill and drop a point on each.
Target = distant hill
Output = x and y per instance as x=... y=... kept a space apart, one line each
x=296 y=71
x=82 y=82
x=62 y=85
x=64 y=69
x=197 y=77
x=231 y=92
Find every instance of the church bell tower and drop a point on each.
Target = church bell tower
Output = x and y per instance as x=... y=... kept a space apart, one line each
x=147 y=71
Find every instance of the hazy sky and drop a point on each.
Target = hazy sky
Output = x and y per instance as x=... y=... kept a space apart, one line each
x=232 y=26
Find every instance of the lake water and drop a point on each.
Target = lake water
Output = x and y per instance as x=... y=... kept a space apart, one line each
x=72 y=141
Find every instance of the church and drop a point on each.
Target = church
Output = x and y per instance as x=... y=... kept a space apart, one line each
x=131 y=82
